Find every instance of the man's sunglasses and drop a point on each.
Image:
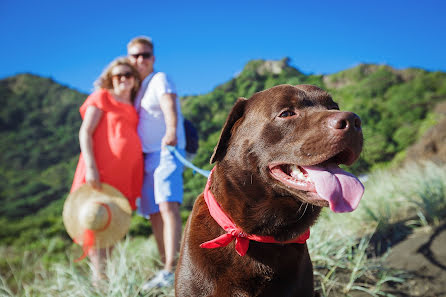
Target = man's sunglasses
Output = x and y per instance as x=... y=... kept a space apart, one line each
x=143 y=55
x=120 y=75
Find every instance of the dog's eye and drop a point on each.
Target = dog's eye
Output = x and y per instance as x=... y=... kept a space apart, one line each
x=287 y=113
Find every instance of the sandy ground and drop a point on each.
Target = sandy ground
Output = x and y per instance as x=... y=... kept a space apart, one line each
x=423 y=256
x=419 y=256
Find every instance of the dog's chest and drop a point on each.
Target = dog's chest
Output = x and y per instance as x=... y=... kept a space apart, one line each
x=260 y=279
x=265 y=266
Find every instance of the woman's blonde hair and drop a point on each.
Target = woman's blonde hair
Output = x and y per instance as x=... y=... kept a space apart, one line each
x=104 y=81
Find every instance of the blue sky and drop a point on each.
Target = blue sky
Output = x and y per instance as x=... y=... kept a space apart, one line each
x=202 y=44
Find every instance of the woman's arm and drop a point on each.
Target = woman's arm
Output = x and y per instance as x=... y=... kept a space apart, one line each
x=89 y=124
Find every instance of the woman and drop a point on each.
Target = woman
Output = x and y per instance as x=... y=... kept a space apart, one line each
x=110 y=147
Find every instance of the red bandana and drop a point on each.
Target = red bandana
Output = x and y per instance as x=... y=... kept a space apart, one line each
x=233 y=232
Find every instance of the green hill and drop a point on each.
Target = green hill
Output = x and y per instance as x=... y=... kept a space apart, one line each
x=396 y=106
x=39 y=125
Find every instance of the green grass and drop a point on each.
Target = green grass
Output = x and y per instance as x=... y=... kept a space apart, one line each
x=342 y=264
x=342 y=246
x=394 y=203
x=132 y=263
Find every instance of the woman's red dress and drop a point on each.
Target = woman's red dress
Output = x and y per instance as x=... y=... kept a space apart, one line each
x=116 y=145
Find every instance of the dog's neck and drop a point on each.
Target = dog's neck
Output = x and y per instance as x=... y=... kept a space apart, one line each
x=235 y=232
x=256 y=207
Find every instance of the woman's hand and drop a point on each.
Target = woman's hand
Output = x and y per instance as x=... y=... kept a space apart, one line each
x=92 y=178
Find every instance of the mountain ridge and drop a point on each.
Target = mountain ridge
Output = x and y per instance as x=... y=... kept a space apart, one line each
x=40 y=121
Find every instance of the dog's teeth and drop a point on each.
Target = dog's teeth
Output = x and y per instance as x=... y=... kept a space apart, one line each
x=297 y=173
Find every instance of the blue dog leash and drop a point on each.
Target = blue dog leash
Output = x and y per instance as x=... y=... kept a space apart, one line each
x=186 y=163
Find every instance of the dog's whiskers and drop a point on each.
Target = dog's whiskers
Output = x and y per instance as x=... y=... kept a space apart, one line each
x=300 y=207
x=306 y=206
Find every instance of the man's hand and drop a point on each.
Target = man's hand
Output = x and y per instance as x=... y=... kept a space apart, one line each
x=170 y=138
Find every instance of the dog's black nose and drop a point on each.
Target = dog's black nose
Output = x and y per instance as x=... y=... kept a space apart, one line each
x=343 y=121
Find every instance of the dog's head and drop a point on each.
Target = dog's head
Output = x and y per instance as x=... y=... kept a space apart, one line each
x=287 y=142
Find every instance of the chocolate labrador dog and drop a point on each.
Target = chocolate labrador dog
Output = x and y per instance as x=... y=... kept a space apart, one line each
x=276 y=166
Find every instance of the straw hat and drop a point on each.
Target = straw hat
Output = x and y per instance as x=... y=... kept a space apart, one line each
x=96 y=218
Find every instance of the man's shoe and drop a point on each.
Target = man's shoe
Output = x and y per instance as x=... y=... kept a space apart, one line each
x=162 y=279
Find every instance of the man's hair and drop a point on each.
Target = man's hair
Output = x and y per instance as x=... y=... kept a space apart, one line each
x=141 y=40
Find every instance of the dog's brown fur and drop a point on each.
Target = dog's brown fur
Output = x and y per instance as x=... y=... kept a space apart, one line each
x=257 y=133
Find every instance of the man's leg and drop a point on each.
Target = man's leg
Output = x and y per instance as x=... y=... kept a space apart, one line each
x=157 y=228
x=148 y=207
x=170 y=218
x=170 y=213
x=168 y=190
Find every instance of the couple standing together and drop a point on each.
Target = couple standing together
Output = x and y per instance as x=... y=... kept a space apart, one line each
x=127 y=122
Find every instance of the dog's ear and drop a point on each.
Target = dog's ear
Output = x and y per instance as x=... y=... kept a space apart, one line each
x=236 y=113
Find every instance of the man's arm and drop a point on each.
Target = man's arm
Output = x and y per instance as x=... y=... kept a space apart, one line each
x=169 y=107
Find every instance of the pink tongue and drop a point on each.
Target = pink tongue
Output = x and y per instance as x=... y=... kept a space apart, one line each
x=341 y=189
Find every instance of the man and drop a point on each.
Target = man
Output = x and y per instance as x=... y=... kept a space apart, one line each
x=160 y=124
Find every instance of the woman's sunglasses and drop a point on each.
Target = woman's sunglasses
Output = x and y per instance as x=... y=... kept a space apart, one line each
x=120 y=75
